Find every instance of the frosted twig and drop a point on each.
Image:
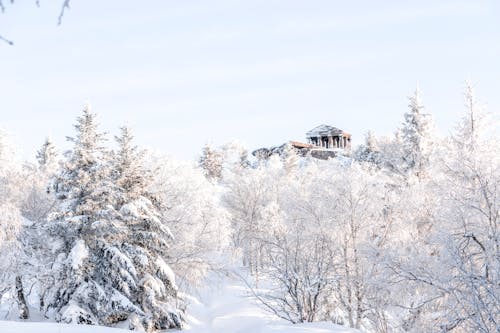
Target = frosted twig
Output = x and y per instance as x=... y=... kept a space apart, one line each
x=6 y=40
x=63 y=8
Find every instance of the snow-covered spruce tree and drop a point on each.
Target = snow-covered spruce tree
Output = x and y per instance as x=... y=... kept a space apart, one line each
x=211 y=161
x=39 y=200
x=82 y=226
x=369 y=151
x=417 y=136
x=109 y=239
x=234 y=157
x=139 y=260
x=48 y=157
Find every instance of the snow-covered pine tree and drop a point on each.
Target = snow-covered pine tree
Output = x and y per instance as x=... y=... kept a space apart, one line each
x=472 y=127
x=143 y=253
x=369 y=151
x=83 y=290
x=211 y=162
x=47 y=156
x=38 y=201
x=417 y=137
x=234 y=156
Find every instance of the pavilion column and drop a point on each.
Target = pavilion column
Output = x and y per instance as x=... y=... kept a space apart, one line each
x=330 y=141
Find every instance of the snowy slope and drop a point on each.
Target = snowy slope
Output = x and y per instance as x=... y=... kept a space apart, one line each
x=225 y=308
x=228 y=309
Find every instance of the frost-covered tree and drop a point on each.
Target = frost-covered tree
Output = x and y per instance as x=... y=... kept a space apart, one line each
x=299 y=265
x=292 y=252
x=468 y=236
x=139 y=259
x=81 y=227
x=110 y=240
x=369 y=151
x=211 y=161
x=10 y=250
x=291 y=160
x=448 y=262
x=11 y=225
x=48 y=157
x=250 y=192
x=315 y=235
x=131 y=175
x=235 y=156
x=417 y=137
x=64 y=6
x=39 y=200
x=189 y=205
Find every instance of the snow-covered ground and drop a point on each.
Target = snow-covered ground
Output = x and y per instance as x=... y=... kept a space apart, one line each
x=33 y=327
x=227 y=308
x=224 y=308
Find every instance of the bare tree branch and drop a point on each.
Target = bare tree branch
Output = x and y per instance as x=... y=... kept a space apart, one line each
x=6 y=40
x=63 y=8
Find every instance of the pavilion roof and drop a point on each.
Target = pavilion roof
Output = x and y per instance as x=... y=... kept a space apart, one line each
x=325 y=130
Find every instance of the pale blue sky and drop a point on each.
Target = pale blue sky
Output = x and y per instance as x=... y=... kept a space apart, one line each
x=182 y=73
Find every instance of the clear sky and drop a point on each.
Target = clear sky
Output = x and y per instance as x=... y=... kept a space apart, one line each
x=183 y=73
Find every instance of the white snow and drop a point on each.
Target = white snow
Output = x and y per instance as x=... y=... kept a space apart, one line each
x=32 y=327
x=78 y=254
x=228 y=308
x=165 y=270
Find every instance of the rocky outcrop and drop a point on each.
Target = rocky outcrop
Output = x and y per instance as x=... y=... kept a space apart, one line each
x=300 y=149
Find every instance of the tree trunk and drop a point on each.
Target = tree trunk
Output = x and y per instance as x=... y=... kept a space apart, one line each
x=21 y=300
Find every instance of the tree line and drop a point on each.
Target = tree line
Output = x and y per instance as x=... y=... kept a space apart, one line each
x=401 y=235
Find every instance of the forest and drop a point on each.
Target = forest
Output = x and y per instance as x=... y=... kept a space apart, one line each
x=401 y=234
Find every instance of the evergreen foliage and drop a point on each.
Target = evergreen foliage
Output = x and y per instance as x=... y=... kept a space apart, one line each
x=110 y=265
